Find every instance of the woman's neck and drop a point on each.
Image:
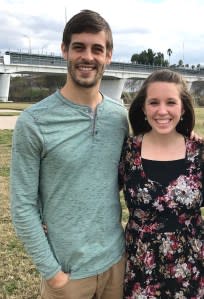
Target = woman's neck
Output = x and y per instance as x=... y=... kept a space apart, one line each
x=163 y=147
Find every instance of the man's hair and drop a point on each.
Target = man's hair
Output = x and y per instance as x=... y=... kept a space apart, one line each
x=90 y=22
x=137 y=116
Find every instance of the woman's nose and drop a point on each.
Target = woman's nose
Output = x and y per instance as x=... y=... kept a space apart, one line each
x=162 y=109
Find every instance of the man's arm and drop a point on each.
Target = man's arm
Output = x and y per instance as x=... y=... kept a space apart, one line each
x=27 y=150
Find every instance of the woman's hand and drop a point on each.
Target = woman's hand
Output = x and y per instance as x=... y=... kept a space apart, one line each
x=195 y=136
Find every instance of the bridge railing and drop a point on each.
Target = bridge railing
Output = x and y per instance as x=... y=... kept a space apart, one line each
x=37 y=59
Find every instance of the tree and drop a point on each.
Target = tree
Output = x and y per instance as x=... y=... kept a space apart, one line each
x=150 y=55
x=169 y=52
x=149 y=58
x=159 y=59
x=135 y=58
x=180 y=63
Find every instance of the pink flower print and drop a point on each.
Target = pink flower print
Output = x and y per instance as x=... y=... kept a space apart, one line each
x=149 y=260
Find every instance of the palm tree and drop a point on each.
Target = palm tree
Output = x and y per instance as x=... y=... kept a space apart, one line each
x=169 y=52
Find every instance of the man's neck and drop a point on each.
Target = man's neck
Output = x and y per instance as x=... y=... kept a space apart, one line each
x=82 y=96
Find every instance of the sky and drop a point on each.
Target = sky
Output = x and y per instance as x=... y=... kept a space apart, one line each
x=137 y=25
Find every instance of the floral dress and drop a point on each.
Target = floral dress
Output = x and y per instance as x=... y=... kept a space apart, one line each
x=164 y=233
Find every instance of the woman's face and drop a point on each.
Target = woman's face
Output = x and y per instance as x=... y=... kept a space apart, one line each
x=163 y=107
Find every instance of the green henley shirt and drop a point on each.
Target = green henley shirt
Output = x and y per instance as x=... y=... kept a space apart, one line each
x=65 y=174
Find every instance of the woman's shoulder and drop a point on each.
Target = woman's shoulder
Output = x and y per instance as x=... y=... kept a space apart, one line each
x=133 y=142
x=194 y=144
x=195 y=148
x=132 y=139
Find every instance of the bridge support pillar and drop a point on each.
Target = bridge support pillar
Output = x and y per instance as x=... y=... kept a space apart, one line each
x=189 y=84
x=4 y=87
x=113 y=88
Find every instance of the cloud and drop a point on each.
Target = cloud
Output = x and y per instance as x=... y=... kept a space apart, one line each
x=137 y=25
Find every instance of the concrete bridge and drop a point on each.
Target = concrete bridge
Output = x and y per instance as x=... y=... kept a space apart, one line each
x=113 y=81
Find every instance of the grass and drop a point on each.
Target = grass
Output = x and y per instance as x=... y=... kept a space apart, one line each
x=14 y=106
x=18 y=276
x=199 y=128
x=2 y=113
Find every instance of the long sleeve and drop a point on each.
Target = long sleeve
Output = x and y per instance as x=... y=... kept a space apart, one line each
x=27 y=152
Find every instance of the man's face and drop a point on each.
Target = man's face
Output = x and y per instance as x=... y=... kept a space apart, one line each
x=87 y=56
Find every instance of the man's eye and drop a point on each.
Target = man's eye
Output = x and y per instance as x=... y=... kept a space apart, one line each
x=98 y=50
x=77 y=48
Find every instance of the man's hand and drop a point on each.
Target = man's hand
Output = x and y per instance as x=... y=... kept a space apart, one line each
x=59 y=280
x=195 y=136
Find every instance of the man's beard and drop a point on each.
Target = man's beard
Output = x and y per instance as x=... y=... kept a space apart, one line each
x=85 y=82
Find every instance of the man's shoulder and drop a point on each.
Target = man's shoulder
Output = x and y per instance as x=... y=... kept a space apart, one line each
x=115 y=104
x=45 y=103
x=37 y=112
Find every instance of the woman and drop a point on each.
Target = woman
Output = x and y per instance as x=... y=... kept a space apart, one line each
x=161 y=172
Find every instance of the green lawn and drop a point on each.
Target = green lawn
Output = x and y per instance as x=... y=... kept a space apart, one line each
x=14 y=106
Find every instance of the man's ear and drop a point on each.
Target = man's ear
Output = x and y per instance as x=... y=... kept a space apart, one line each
x=64 y=51
x=108 y=57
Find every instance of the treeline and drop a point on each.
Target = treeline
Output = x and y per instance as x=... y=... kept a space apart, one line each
x=33 y=88
x=150 y=57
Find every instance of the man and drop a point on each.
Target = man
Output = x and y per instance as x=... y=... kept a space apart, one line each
x=65 y=157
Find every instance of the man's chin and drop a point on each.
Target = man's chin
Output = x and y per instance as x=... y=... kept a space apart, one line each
x=86 y=84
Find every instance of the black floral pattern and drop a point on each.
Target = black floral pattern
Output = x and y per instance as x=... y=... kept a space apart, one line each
x=164 y=233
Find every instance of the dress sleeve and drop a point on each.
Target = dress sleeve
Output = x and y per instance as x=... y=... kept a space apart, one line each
x=123 y=163
x=202 y=170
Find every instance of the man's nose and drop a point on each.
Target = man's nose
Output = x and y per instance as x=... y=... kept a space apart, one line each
x=87 y=54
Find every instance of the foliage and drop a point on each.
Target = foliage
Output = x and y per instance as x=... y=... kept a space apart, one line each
x=128 y=97
x=180 y=62
x=149 y=57
x=200 y=101
x=5 y=138
x=169 y=52
x=34 y=88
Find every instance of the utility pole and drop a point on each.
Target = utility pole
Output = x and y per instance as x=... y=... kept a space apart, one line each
x=183 y=51
x=29 y=43
x=65 y=15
